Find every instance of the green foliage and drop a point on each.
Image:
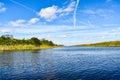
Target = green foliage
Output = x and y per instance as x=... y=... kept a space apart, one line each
x=47 y=42
x=104 y=44
x=35 y=41
x=9 y=40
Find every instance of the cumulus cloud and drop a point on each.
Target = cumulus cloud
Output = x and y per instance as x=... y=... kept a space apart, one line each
x=53 y=12
x=17 y=23
x=48 y=13
x=2 y=8
x=33 y=21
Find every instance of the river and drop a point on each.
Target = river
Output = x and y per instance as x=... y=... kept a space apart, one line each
x=66 y=63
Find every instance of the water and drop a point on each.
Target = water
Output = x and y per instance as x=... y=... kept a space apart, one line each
x=67 y=63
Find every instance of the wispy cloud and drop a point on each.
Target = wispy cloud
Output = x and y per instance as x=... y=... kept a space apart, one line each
x=74 y=16
x=70 y=7
x=67 y=10
x=24 y=6
x=110 y=33
x=97 y=12
x=38 y=29
x=2 y=8
x=63 y=36
x=33 y=21
x=111 y=25
x=17 y=23
x=5 y=30
x=89 y=11
x=23 y=23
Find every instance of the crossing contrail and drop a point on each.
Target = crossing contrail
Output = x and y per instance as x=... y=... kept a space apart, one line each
x=26 y=7
x=75 y=11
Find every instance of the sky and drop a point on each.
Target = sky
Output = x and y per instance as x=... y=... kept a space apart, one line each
x=67 y=22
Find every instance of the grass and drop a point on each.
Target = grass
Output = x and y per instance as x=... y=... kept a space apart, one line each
x=104 y=44
x=24 y=47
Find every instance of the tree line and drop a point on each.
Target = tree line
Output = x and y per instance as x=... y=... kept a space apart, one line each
x=9 y=40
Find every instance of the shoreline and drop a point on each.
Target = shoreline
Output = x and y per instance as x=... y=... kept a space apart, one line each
x=95 y=46
x=103 y=44
x=24 y=47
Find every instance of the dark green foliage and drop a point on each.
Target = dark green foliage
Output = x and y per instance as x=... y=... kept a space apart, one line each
x=35 y=41
x=47 y=42
x=9 y=40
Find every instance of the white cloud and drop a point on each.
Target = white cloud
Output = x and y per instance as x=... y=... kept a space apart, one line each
x=111 y=25
x=2 y=8
x=99 y=12
x=53 y=12
x=63 y=36
x=23 y=23
x=5 y=30
x=115 y=31
x=17 y=23
x=33 y=21
x=48 y=13
x=42 y=29
x=70 y=7
x=88 y=11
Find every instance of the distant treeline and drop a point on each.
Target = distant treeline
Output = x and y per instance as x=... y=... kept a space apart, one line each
x=105 y=44
x=9 y=40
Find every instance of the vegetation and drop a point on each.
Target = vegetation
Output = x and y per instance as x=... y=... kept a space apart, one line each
x=104 y=44
x=7 y=42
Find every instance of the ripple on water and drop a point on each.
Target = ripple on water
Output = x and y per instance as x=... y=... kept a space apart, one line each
x=68 y=63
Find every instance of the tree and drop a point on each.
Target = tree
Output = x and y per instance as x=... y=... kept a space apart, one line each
x=35 y=41
x=9 y=40
x=7 y=36
x=51 y=43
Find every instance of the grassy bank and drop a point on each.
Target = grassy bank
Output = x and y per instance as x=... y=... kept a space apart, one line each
x=24 y=47
x=104 y=44
x=7 y=42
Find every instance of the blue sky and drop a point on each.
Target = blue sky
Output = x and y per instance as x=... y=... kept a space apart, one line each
x=65 y=22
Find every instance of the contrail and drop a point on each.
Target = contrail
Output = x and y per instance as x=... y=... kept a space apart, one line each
x=89 y=24
x=74 y=16
x=28 y=8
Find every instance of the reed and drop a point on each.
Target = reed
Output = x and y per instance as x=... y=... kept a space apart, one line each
x=24 y=47
x=104 y=44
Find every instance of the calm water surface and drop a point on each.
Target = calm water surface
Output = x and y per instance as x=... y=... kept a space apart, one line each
x=67 y=63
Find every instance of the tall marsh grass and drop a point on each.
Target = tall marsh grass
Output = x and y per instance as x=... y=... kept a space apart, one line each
x=24 y=47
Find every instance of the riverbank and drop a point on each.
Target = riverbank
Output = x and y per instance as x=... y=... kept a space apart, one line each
x=103 y=44
x=24 y=47
x=7 y=42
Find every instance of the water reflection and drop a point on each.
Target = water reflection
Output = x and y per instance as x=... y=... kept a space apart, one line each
x=69 y=63
x=6 y=59
x=35 y=51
